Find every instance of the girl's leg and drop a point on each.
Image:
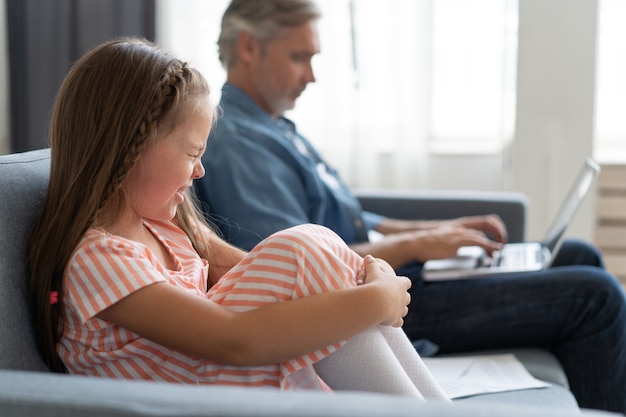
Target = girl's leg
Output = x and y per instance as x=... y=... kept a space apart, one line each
x=380 y=360
x=302 y=261
x=293 y=263
x=412 y=363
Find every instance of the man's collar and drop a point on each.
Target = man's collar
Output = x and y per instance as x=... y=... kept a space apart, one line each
x=235 y=96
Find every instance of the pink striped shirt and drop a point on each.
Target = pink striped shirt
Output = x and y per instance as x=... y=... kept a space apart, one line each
x=105 y=268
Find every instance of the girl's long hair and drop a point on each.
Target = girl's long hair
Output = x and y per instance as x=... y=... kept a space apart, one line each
x=110 y=106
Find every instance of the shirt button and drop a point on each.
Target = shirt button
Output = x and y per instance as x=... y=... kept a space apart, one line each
x=358 y=223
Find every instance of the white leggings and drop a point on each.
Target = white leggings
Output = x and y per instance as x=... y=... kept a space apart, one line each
x=381 y=359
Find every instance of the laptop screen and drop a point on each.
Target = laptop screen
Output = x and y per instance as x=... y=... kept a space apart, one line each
x=575 y=196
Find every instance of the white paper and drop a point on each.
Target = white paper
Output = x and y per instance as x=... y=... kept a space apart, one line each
x=472 y=375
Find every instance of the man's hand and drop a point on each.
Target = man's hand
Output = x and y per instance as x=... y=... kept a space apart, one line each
x=492 y=225
x=445 y=241
x=417 y=240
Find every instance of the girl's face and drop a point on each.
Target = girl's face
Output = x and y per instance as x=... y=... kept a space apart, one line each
x=157 y=183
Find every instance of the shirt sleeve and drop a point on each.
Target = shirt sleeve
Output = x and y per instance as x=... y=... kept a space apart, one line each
x=251 y=192
x=106 y=269
x=372 y=220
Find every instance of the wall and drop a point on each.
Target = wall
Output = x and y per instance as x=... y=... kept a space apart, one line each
x=555 y=105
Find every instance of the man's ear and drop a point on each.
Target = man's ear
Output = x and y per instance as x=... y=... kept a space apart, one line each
x=248 y=47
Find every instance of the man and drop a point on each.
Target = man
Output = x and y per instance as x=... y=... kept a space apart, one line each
x=262 y=176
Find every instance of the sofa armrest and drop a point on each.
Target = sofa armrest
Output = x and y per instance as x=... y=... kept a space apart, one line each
x=432 y=205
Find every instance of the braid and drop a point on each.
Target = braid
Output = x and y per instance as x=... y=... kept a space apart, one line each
x=163 y=99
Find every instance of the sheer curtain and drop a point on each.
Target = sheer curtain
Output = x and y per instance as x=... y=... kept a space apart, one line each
x=473 y=62
x=190 y=29
x=366 y=112
x=396 y=81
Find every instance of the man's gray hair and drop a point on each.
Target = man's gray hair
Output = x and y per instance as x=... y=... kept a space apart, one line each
x=263 y=19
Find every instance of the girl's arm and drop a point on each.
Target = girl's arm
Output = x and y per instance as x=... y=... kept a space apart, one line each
x=222 y=256
x=270 y=334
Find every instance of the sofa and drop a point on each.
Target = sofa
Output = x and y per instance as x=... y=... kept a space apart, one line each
x=28 y=388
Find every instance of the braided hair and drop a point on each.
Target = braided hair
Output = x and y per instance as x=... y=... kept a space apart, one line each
x=110 y=106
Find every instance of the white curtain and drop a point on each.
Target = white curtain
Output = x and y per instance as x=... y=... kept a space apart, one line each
x=396 y=80
x=368 y=110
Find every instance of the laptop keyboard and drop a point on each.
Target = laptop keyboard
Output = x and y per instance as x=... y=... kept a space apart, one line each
x=515 y=256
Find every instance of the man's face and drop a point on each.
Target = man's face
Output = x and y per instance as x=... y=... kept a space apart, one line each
x=282 y=68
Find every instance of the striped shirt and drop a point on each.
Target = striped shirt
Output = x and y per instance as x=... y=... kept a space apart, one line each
x=105 y=268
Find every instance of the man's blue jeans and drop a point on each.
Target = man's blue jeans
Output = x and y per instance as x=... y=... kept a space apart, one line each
x=575 y=309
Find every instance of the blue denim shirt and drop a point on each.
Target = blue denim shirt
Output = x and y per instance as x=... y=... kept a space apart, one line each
x=263 y=176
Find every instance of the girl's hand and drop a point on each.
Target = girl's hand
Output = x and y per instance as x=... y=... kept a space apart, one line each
x=384 y=266
x=395 y=289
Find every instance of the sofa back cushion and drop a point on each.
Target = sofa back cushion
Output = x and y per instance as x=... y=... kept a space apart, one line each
x=23 y=181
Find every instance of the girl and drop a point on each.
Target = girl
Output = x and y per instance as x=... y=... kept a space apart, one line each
x=128 y=281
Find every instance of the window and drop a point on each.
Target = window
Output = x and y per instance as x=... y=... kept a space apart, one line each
x=190 y=31
x=610 y=124
x=473 y=74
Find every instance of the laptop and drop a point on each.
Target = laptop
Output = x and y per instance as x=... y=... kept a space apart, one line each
x=472 y=262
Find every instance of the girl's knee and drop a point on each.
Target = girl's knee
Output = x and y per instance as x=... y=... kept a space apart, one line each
x=319 y=255
x=309 y=231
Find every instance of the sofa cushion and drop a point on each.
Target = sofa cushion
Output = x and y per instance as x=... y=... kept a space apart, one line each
x=99 y=397
x=24 y=181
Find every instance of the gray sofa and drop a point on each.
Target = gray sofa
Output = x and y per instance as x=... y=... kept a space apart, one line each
x=28 y=388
